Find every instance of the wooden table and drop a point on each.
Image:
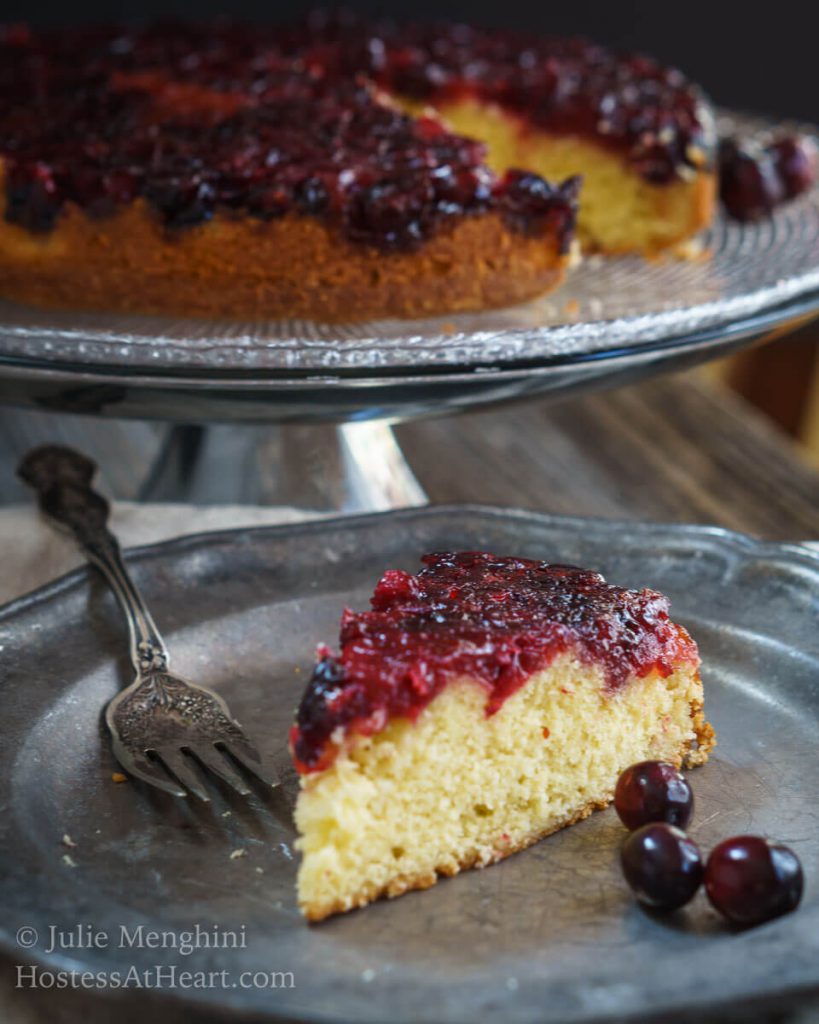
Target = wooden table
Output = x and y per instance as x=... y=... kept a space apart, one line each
x=673 y=449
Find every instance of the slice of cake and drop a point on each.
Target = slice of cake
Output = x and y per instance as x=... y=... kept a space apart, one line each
x=480 y=705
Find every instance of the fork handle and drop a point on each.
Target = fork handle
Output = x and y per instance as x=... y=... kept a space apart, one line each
x=62 y=479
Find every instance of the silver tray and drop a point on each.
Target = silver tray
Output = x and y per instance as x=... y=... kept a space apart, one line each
x=549 y=935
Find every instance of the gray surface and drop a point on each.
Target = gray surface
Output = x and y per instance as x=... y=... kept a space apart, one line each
x=549 y=935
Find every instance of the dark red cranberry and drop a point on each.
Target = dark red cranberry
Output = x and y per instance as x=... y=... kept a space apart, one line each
x=390 y=214
x=33 y=196
x=653 y=791
x=750 y=186
x=312 y=196
x=795 y=159
x=268 y=201
x=750 y=880
x=532 y=205
x=182 y=200
x=662 y=866
x=527 y=198
x=458 y=191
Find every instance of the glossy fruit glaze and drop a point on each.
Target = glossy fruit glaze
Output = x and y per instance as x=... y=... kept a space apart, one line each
x=266 y=121
x=629 y=102
x=496 y=620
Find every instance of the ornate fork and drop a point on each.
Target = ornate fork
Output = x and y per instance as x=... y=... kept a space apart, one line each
x=159 y=717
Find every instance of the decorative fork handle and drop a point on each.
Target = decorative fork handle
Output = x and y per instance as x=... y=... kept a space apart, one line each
x=62 y=479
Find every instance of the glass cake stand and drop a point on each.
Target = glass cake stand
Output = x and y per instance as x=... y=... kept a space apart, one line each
x=328 y=393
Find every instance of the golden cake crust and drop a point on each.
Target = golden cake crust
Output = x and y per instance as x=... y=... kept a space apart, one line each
x=293 y=267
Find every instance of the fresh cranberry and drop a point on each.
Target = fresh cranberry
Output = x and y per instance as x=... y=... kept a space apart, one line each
x=662 y=866
x=750 y=186
x=750 y=880
x=653 y=791
x=795 y=159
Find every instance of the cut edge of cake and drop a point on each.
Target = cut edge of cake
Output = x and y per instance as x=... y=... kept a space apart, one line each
x=457 y=788
x=621 y=212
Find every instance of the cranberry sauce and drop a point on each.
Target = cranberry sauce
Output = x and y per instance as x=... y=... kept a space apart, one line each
x=265 y=122
x=497 y=620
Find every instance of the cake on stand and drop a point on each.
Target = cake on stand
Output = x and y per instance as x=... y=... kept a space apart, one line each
x=309 y=407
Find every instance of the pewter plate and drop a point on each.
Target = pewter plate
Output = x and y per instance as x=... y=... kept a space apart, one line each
x=549 y=935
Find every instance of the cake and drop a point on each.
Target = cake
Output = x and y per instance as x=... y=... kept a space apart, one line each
x=334 y=169
x=478 y=706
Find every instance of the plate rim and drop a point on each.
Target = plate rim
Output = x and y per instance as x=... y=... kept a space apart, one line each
x=789 y=553
x=803 y=306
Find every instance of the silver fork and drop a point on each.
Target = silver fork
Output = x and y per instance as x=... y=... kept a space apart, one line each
x=160 y=719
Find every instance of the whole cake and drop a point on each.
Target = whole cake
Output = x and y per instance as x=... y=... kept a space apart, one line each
x=480 y=705
x=333 y=169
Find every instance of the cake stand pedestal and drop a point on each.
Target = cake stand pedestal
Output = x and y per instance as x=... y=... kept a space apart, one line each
x=353 y=467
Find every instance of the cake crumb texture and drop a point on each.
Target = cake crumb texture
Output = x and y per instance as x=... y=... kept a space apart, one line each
x=457 y=789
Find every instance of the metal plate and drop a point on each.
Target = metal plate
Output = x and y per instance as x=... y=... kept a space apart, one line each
x=549 y=935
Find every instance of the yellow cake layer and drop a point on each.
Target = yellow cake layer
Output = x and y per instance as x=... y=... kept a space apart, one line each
x=620 y=212
x=457 y=789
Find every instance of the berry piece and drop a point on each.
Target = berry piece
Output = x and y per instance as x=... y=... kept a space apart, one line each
x=750 y=186
x=662 y=866
x=531 y=204
x=653 y=791
x=795 y=159
x=750 y=880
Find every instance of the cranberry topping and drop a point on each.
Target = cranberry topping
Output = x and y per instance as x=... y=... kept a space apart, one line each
x=662 y=866
x=626 y=101
x=200 y=118
x=533 y=206
x=750 y=880
x=497 y=620
x=755 y=179
x=653 y=791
